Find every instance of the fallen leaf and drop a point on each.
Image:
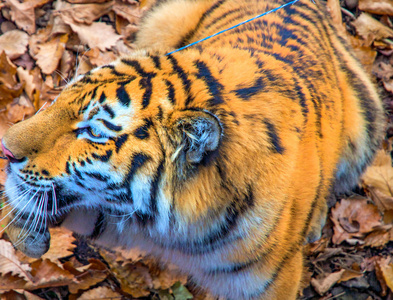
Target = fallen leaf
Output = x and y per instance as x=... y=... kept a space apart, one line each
x=50 y=53
x=27 y=78
x=381 y=7
x=23 y=13
x=380 y=175
x=86 y=13
x=353 y=218
x=61 y=244
x=322 y=285
x=9 y=262
x=48 y=274
x=95 y=35
x=87 y=276
x=101 y=292
x=370 y=28
x=132 y=13
x=14 y=43
x=384 y=272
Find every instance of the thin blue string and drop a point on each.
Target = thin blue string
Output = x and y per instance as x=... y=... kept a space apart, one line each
x=230 y=28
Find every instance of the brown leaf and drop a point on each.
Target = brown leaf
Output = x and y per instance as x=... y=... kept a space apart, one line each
x=50 y=53
x=95 y=35
x=61 y=244
x=86 y=13
x=131 y=13
x=48 y=274
x=14 y=43
x=334 y=9
x=100 y=293
x=384 y=272
x=134 y=278
x=380 y=175
x=353 y=218
x=97 y=58
x=381 y=7
x=20 y=109
x=364 y=52
x=322 y=285
x=23 y=13
x=9 y=262
x=370 y=28
x=8 y=71
x=87 y=276
x=27 y=78
x=9 y=282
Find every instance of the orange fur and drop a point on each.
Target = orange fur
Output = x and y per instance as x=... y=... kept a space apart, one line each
x=219 y=157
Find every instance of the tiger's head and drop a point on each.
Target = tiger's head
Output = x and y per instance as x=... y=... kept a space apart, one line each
x=114 y=139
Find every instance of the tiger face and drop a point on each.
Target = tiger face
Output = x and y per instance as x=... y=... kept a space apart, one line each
x=98 y=146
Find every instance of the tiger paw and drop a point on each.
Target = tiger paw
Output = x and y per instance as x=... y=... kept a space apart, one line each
x=33 y=244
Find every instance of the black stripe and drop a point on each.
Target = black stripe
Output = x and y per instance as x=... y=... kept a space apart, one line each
x=183 y=76
x=109 y=111
x=97 y=176
x=143 y=131
x=103 y=158
x=102 y=98
x=137 y=67
x=215 y=87
x=188 y=36
x=171 y=91
x=221 y=236
x=156 y=61
x=67 y=168
x=99 y=226
x=123 y=96
x=119 y=142
x=275 y=140
x=111 y=126
x=246 y=93
x=138 y=160
x=146 y=84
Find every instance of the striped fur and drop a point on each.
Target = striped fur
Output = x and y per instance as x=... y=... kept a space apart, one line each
x=218 y=158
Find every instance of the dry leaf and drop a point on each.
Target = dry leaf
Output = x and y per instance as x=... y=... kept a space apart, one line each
x=23 y=13
x=370 y=28
x=334 y=9
x=20 y=109
x=48 y=274
x=100 y=293
x=353 y=218
x=86 y=13
x=322 y=285
x=50 y=53
x=14 y=43
x=381 y=7
x=380 y=174
x=8 y=282
x=96 y=35
x=9 y=262
x=131 y=13
x=61 y=244
x=384 y=272
x=87 y=276
x=97 y=58
x=27 y=78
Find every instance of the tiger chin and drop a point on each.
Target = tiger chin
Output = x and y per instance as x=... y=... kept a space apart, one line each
x=218 y=158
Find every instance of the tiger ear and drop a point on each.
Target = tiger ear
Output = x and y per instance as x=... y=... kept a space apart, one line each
x=196 y=135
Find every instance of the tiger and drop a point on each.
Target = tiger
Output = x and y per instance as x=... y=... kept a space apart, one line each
x=218 y=158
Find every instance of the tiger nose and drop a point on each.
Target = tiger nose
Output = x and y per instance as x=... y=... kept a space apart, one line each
x=8 y=154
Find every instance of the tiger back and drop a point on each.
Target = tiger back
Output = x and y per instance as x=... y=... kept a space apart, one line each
x=218 y=158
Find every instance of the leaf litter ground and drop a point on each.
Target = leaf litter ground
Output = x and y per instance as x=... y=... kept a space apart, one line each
x=45 y=43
